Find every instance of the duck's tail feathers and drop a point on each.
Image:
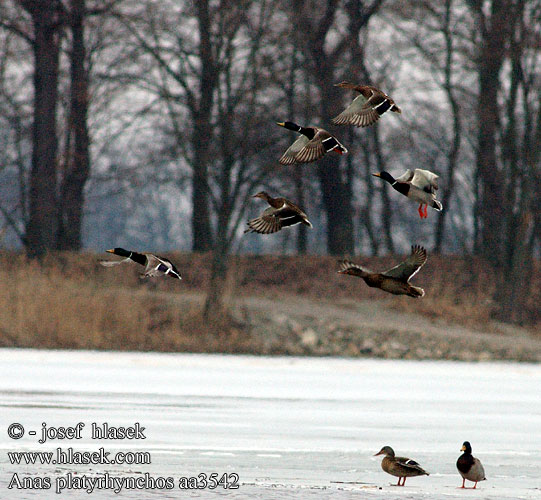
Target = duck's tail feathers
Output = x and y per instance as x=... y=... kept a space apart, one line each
x=436 y=205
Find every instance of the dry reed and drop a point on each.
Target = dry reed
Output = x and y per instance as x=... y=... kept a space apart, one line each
x=69 y=301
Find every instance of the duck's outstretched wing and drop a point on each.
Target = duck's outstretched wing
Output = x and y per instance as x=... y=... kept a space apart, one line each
x=425 y=180
x=359 y=113
x=291 y=154
x=348 y=267
x=407 y=176
x=268 y=223
x=111 y=263
x=405 y=270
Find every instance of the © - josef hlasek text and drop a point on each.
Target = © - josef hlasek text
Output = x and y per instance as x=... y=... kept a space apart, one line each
x=98 y=431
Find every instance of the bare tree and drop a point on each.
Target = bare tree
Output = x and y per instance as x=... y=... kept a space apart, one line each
x=496 y=23
x=315 y=30
x=77 y=155
x=42 y=225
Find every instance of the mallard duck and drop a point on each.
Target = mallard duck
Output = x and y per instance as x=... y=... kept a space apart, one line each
x=366 y=108
x=401 y=467
x=312 y=145
x=420 y=186
x=281 y=213
x=154 y=265
x=470 y=468
x=396 y=279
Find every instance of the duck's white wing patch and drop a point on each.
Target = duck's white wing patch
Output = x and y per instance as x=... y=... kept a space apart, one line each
x=424 y=178
x=407 y=176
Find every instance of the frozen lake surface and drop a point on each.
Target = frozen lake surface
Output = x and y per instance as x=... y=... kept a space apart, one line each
x=289 y=427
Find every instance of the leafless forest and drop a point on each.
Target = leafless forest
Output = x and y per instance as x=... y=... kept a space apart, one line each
x=149 y=124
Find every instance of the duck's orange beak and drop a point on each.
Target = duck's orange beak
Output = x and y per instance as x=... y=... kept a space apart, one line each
x=110 y=251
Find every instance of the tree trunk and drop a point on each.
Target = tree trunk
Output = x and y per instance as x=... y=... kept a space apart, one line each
x=78 y=162
x=41 y=228
x=336 y=201
x=201 y=139
x=302 y=234
x=457 y=131
x=495 y=30
x=386 y=210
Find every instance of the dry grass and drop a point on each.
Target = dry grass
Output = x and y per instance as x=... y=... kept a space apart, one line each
x=69 y=301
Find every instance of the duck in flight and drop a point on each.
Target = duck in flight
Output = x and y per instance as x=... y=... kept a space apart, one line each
x=312 y=145
x=395 y=280
x=281 y=213
x=366 y=108
x=154 y=265
x=419 y=185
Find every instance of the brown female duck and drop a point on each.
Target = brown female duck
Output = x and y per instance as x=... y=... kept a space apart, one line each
x=154 y=265
x=366 y=108
x=312 y=145
x=281 y=213
x=469 y=467
x=401 y=467
x=394 y=280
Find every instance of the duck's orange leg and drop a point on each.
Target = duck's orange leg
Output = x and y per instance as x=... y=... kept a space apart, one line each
x=426 y=211
x=420 y=210
x=463 y=482
x=404 y=481
x=475 y=485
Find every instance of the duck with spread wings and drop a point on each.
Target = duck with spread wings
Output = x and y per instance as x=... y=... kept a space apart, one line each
x=281 y=213
x=419 y=185
x=395 y=280
x=312 y=145
x=367 y=107
x=154 y=265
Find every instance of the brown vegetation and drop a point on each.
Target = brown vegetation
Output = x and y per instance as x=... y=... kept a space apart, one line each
x=69 y=301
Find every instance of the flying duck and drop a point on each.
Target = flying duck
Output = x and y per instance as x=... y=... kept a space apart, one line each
x=401 y=467
x=154 y=265
x=470 y=468
x=366 y=108
x=312 y=145
x=281 y=213
x=420 y=186
x=394 y=280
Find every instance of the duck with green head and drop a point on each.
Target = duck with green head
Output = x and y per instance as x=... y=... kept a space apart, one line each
x=312 y=145
x=469 y=467
x=154 y=265
x=420 y=186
